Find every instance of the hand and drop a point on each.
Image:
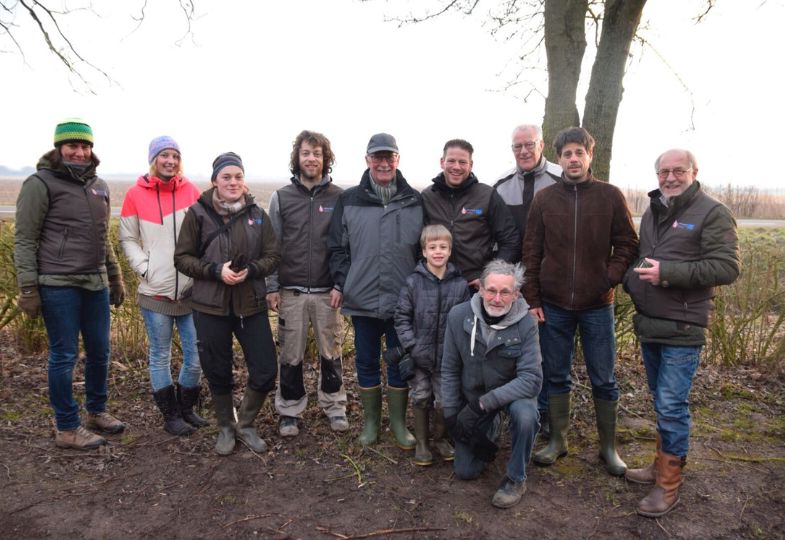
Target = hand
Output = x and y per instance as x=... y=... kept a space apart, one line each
x=273 y=301
x=230 y=277
x=29 y=301
x=538 y=314
x=406 y=367
x=116 y=290
x=336 y=298
x=650 y=274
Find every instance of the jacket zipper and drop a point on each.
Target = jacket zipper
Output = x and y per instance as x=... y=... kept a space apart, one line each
x=574 y=245
x=438 y=319
x=174 y=229
x=310 y=229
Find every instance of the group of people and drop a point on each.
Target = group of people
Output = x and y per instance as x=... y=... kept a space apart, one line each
x=468 y=330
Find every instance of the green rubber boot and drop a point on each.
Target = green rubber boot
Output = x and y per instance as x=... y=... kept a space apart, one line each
x=440 y=438
x=224 y=416
x=246 y=415
x=371 y=399
x=559 y=417
x=397 y=400
x=422 y=454
x=605 y=412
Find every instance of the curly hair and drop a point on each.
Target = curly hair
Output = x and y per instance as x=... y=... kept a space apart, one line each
x=314 y=139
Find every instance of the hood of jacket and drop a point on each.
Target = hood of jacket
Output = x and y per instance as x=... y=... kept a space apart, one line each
x=451 y=272
x=48 y=160
x=149 y=181
x=440 y=184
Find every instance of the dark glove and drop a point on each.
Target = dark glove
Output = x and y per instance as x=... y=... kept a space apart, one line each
x=406 y=367
x=116 y=290
x=29 y=301
x=393 y=355
x=239 y=263
x=483 y=448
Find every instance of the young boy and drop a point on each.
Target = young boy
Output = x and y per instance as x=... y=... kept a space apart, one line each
x=430 y=292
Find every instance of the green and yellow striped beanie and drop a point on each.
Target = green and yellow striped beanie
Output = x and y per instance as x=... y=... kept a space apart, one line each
x=73 y=129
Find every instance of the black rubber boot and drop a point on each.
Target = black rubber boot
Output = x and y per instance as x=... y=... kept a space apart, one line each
x=188 y=398
x=173 y=420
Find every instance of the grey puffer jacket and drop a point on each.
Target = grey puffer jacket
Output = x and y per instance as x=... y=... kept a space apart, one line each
x=496 y=364
x=421 y=314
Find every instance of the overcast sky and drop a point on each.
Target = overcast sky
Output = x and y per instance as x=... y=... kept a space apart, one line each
x=253 y=74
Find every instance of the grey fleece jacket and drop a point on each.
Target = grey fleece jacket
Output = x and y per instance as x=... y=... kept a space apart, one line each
x=496 y=364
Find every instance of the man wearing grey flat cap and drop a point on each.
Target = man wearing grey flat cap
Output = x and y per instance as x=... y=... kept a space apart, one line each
x=374 y=243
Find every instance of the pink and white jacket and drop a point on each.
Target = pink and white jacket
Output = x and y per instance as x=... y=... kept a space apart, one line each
x=150 y=220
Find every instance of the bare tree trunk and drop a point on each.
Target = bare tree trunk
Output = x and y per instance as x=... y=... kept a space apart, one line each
x=620 y=22
x=565 y=43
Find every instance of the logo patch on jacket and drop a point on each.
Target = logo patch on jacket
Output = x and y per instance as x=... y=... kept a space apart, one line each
x=99 y=192
x=323 y=209
x=475 y=211
x=687 y=226
x=254 y=221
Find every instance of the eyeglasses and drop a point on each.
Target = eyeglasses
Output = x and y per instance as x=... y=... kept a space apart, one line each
x=678 y=172
x=529 y=146
x=380 y=158
x=490 y=294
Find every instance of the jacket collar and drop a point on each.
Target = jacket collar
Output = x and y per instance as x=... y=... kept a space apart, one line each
x=440 y=184
x=149 y=181
x=566 y=184
x=451 y=272
x=403 y=185
x=325 y=181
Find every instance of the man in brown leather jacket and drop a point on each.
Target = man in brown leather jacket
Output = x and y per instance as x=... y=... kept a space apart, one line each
x=579 y=242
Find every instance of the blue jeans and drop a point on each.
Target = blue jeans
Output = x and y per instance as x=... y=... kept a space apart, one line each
x=524 y=424
x=67 y=312
x=159 y=353
x=670 y=371
x=598 y=339
x=368 y=332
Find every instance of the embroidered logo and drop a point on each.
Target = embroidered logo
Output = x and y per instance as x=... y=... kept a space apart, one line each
x=254 y=221
x=323 y=209
x=475 y=211
x=99 y=192
x=687 y=226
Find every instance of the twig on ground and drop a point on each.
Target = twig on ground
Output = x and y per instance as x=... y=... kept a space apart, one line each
x=657 y=521
x=751 y=459
x=246 y=518
x=380 y=532
x=388 y=458
x=8 y=471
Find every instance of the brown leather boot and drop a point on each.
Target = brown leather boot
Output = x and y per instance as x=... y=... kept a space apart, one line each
x=664 y=496
x=646 y=475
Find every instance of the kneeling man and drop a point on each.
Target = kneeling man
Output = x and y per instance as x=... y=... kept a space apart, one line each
x=492 y=363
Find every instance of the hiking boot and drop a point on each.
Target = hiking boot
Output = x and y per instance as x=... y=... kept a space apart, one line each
x=79 y=439
x=559 y=418
x=187 y=399
x=246 y=415
x=605 y=412
x=174 y=424
x=339 y=423
x=397 y=401
x=287 y=426
x=105 y=422
x=422 y=454
x=509 y=493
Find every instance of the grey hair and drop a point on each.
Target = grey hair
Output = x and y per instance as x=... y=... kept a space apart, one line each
x=499 y=266
x=533 y=127
x=691 y=159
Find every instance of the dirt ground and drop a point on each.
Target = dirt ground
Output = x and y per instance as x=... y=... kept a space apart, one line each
x=148 y=484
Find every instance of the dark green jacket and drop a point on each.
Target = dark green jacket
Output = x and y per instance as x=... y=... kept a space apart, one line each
x=694 y=239
x=201 y=254
x=62 y=228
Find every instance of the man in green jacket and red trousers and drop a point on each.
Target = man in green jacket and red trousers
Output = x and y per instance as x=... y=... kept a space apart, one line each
x=688 y=246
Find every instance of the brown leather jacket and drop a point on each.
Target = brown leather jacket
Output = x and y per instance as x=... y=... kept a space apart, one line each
x=580 y=239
